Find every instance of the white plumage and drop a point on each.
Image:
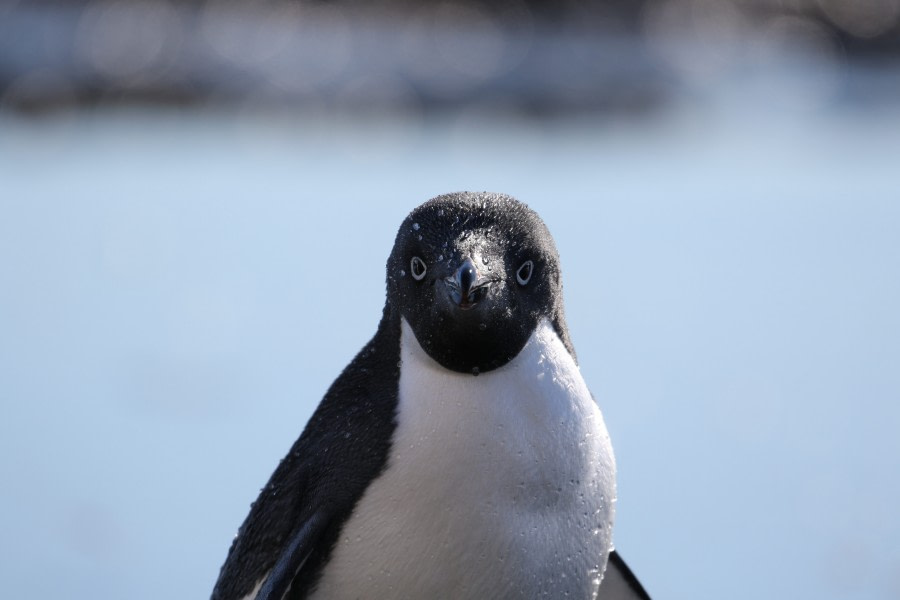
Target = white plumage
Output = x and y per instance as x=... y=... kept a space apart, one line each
x=497 y=486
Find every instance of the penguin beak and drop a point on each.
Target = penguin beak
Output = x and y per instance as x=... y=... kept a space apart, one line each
x=467 y=286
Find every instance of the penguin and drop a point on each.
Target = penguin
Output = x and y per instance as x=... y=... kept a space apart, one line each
x=460 y=454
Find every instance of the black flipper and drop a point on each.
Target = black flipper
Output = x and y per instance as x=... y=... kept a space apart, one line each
x=619 y=583
x=291 y=560
x=295 y=522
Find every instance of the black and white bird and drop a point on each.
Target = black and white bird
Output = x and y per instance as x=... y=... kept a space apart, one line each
x=460 y=454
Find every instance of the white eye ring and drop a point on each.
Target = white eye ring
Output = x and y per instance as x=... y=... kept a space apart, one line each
x=523 y=275
x=417 y=268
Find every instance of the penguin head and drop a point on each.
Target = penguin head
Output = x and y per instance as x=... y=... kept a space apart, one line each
x=473 y=274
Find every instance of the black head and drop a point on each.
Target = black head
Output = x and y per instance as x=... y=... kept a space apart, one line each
x=473 y=274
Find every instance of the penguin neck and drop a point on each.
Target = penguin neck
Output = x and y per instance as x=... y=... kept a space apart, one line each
x=530 y=394
x=394 y=326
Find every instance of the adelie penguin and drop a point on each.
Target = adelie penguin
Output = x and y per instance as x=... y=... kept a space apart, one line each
x=460 y=455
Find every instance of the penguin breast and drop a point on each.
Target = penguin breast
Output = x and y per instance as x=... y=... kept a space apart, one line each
x=497 y=486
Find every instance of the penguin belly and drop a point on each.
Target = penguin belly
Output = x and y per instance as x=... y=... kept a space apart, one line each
x=500 y=485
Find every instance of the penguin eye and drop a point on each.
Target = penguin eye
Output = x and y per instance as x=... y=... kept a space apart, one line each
x=523 y=275
x=417 y=268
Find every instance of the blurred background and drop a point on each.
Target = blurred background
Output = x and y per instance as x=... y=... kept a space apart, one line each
x=197 y=200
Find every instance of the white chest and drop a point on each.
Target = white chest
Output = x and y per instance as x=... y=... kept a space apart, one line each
x=497 y=486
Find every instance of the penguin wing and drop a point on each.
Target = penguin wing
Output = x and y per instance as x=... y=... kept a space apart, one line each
x=292 y=527
x=619 y=583
x=277 y=543
x=295 y=553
